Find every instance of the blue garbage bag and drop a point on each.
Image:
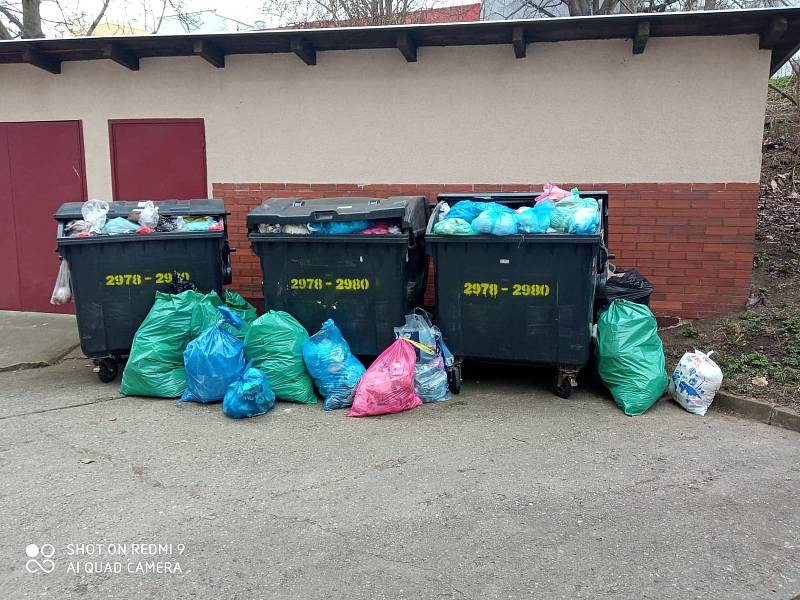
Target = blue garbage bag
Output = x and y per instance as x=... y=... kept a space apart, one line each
x=536 y=219
x=496 y=222
x=249 y=396
x=468 y=210
x=119 y=225
x=430 y=380
x=336 y=372
x=585 y=220
x=213 y=361
x=339 y=227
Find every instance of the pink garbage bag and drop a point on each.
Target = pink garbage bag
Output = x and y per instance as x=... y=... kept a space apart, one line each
x=388 y=385
x=553 y=192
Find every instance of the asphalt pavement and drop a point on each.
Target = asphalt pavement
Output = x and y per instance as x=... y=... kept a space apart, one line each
x=505 y=491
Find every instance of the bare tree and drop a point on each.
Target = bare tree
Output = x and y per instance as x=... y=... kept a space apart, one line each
x=510 y=9
x=333 y=13
x=23 y=19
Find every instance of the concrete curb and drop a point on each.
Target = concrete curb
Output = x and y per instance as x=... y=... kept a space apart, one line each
x=757 y=410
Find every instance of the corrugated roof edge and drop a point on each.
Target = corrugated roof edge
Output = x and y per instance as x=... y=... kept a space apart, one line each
x=778 y=28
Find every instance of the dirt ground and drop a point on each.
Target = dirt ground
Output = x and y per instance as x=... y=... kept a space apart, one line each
x=759 y=347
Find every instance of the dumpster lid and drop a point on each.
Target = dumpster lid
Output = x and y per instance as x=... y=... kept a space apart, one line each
x=410 y=209
x=167 y=208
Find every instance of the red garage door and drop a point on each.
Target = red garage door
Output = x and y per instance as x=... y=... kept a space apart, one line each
x=41 y=166
x=158 y=159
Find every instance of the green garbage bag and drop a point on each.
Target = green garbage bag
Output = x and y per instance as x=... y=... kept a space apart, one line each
x=630 y=356
x=567 y=207
x=274 y=344
x=155 y=365
x=245 y=310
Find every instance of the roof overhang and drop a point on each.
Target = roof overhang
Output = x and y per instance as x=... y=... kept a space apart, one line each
x=778 y=28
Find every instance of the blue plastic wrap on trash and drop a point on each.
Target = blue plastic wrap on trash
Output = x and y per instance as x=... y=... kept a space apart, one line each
x=119 y=225
x=468 y=210
x=339 y=227
x=200 y=224
x=496 y=222
x=213 y=361
x=248 y=396
x=536 y=219
x=584 y=220
x=430 y=380
x=336 y=372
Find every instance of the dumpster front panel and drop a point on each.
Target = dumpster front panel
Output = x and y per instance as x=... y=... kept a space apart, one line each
x=516 y=302
x=114 y=282
x=366 y=287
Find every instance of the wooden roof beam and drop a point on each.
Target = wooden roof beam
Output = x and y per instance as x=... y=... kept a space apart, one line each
x=518 y=42
x=210 y=52
x=121 y=56
x=407 y=46
x=773 y=33
x=641 y=36
x=37 y=59
x=304 y=50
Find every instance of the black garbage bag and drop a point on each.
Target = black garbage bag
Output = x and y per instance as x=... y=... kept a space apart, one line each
x=627 y=284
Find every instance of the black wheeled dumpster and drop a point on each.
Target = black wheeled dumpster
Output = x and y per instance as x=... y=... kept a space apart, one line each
x=115 y=277
x=524 y=298
x=318 y=263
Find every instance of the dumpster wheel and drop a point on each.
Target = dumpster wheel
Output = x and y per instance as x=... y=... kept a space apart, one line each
x=109 y=368
x=564 y=383
x=454 y=379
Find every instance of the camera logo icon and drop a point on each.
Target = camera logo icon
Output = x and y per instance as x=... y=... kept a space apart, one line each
x=35 y=553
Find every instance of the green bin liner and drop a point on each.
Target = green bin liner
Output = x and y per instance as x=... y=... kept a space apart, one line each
x=630 y=356
x=274 y=344
x=155 y=364
x=245 y=310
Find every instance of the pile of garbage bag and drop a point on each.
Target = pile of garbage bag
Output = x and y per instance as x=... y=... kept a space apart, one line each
x=554 y=211
x=433 y=356
x=142 y=221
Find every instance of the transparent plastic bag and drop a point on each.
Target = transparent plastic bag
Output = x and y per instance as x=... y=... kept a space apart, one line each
x=149 y=215
x=94 y=213
x=430 y=380
x=62 y=292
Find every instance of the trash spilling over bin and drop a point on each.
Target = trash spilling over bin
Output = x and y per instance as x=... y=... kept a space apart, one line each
x=526 y=298
x=114 y=276
x=358 y=261
x=630 y=356
x=695 y=381
x=336 y=372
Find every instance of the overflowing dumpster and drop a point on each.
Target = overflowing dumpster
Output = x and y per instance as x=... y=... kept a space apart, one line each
x=518 y=298
x=117 y=266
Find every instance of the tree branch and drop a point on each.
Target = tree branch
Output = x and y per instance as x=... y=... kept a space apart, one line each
x=97 y=19
x=5 y=34
x=775 y=88
x=11 y=17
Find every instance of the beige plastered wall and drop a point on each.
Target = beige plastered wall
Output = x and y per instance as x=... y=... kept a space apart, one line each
x=687 y=110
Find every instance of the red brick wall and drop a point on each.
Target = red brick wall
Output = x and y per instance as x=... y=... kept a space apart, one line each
x=694 y=241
